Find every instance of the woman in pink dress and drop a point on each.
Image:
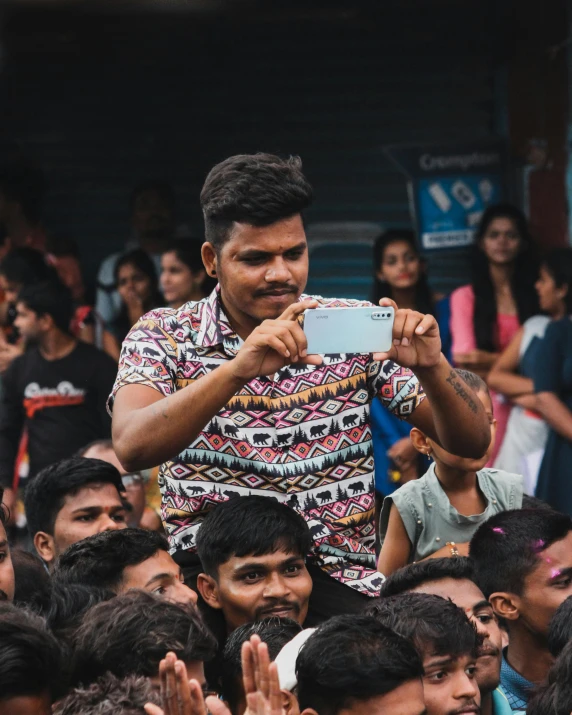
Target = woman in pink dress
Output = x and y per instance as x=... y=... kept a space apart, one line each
x=486 y=314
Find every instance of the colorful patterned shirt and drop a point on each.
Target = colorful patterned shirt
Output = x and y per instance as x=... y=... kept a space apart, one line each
x=301 y=435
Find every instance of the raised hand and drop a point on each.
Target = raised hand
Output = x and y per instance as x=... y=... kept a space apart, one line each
x=416 y=340
x=260 y=677
x=274 y=344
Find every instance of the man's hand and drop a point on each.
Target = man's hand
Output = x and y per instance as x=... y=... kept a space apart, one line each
x=416 y=340
x=8 y=353
x=403 y=453
x=260 y=677
x=274 y=344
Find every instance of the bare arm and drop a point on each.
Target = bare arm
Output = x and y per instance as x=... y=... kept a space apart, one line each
x=555 y=413
x=504 y=377
x=396 y=548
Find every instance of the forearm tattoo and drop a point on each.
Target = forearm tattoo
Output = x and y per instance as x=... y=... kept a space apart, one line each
x=455 y=381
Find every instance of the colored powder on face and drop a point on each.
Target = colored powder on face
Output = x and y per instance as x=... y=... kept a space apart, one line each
x=555 y=572
x=538 y=545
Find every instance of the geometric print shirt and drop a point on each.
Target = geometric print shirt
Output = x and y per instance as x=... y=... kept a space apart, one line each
x=302 y=435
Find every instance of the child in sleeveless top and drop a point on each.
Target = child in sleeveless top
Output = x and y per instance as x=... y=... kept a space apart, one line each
x=437 y=514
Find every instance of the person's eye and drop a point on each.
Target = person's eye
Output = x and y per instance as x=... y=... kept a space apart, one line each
x=471 y=671
x=3 y=556
x=252 y=576
x=438 y=676
x=85 y=518
x=564 y=582
x=484 y=618
x=119 y=518
x=161 y=591
x=294 y=255
x=293 y=569
x=254 y=260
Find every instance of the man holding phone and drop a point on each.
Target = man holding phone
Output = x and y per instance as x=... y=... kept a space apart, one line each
x=224 y=394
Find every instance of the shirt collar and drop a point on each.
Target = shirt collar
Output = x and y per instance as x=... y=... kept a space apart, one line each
x=215 y=327
x=514 y=685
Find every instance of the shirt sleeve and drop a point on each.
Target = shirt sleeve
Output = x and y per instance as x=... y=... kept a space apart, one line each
x=409 y=514
x=105 y=289
x=548 y=361
x=462 y=305
x=12 y=420
x=149 y=355
x=397 y=387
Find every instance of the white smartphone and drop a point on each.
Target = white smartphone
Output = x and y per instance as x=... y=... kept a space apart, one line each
x=349 y=330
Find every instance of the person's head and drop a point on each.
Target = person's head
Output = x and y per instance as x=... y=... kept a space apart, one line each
x=523 y=561
x=132 y=481
x=255 y=240
x=6 y=567
x=30 y=663
x=398 y=266
x=353 y=665
x=431 y=448
x=32 y=580
x=63 y=255
x=43 y=309
x=503 y=240
x=456 y=579
x=152 y=208
x=447 y=643
x=182 y=273
x=109 y=695
x=554 y=696
x=22 y=267
x=22 y=191
x=554 y=284
x=275 y=632
x=124 y=560
x=136 y=277
x=253 y=551
x=560 y=630
x=71 y=500
x=131 y=634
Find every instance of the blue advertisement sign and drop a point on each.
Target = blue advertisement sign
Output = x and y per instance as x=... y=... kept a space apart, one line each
x=450 y=188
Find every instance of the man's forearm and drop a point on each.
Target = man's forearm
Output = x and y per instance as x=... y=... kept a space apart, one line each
x=148 y=435
x=459 y=421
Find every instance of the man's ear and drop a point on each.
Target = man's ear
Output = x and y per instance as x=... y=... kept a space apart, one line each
x=208 y=588
x=290 y=703
x=209 y=257
x=45 y=546
x=420 y=441
x=505 y=605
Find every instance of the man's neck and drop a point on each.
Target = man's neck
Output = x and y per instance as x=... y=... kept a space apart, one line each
x=56 y=345
x=486 y=703
x=528 y=655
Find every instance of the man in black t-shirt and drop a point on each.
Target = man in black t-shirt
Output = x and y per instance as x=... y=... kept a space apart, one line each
x=56 y=390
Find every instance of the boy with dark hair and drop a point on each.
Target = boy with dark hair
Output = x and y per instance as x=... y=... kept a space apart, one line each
x=560 y=630
x=109 y=695
x=7 y=579
x=131 y=634
x=30 y=663
x=523 y=561
x=455 y=579
x=447 y=643
x=71 y=500
x=276 y=633
x=225 y=428
x=123 y=560
x=56 y=390
x=253 y=551
x=355 y=665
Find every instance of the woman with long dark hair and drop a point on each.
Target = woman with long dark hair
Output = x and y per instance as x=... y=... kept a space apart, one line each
x=136 y=282
x=487 y=313
x=183 y=275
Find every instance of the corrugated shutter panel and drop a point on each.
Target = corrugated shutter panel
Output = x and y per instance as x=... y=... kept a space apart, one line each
x=108 y=100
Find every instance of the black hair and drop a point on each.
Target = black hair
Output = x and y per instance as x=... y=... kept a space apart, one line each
x=554 y=697
x=275 y=632
x=25 y=183
x=188 y=251
x=524 y=275
x=472 y=380
x=26 y=266
x=131 y=634
x=257 y=189
x=30 y=657
x=162 y=188
x=413 y=575
x=51 y=298
x=430 y=622
x=350 y=659
x=560 y=630
x=31 y=579
x=559 y=264
x=110 y=695
x=507 y=547
x=46 y=492
x=424 y=302
x=101 y=559
x=252 y=525
x=141 y=260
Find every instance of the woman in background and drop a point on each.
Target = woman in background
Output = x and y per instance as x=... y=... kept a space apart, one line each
x=487 y=313
x=136 y=281
x=511 y=375
x=183 y=276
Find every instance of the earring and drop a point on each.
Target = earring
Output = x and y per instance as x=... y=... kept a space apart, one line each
x=213 y=272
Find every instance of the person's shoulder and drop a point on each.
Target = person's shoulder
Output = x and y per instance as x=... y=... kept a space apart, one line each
x=537 y=322
x=500 y=481
x=338 y=302
x=464 y=292
x=108 y=263
x=411 y=489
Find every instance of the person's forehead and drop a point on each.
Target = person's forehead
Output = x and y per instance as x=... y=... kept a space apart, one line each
x=272 y=560
x=555 y=558
x=458 y=662
x=160 y=563
x=277 y=236
x=462 y=591
x=96 y=495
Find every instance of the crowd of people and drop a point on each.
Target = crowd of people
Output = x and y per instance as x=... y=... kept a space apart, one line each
x=199 y=516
